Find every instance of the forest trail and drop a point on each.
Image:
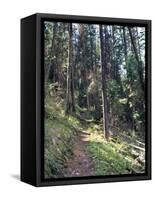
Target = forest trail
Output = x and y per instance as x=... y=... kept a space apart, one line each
x=94 y=89
x=81 y=163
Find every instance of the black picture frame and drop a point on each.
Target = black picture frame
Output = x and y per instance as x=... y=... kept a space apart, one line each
x=32 y=92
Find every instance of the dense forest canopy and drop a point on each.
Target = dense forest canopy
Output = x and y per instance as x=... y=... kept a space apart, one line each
x=96 y=75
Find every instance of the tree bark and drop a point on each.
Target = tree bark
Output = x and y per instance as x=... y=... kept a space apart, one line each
x=70 y=100
x=130 y=110
x=125 y=45
x=137 y=58
x=52 y=60
x=104 y=84
x=96 y=95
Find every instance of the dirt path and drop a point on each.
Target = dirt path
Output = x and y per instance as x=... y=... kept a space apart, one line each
x=81 y=163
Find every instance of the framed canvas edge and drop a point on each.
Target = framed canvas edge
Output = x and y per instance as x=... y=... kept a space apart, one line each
x=88 y=180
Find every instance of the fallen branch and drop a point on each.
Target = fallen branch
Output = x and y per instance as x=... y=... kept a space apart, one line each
x=136 y=147
x=140 y=143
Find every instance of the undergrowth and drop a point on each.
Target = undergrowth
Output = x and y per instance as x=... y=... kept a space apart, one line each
x=60 y=133
x=112 y=157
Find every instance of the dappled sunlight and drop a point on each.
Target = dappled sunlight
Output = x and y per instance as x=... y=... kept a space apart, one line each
x=94 y=99
x=118 y=156
x=85 y=137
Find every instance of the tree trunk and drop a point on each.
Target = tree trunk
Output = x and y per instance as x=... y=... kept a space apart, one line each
x=70 y=101
x=130 y=110
x=104 y=84
x=96 y=95
x=125 y=45
x=138 y=45
x=84 y=98
x=52 y=61
x=137 y=58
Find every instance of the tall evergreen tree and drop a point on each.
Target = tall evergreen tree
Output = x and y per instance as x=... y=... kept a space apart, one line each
x=70 y=99
x=104 y=80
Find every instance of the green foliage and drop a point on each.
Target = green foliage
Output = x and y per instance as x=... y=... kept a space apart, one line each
x=134 y=94
x=112 y=157
x=60 y=133
x=74 y=60
x=57 y=136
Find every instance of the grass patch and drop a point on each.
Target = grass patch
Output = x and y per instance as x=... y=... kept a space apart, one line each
x=60 y=134
x=112 y=158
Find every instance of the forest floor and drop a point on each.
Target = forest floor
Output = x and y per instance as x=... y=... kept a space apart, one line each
x=76 y=148
x=81 y=164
